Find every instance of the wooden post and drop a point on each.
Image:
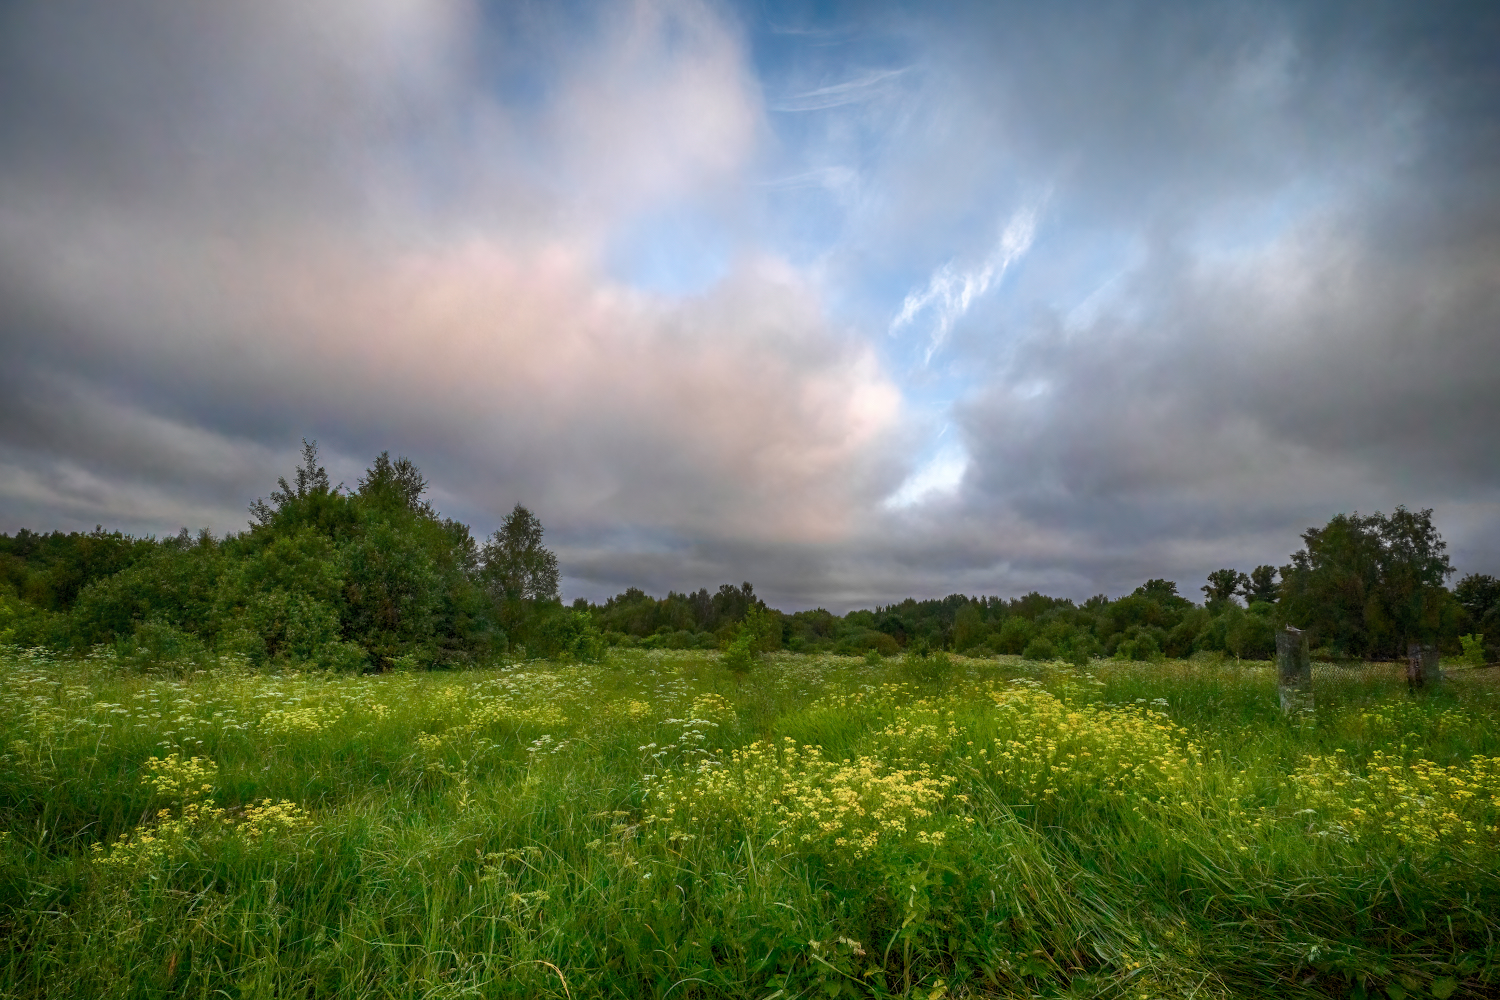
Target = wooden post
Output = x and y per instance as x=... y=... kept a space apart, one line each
x=1422 y=665
x=1294 y=672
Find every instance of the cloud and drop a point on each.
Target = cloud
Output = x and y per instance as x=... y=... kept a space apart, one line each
x=837 y=95
x=502 y=356
x=657 y=103
x=1266 y=290
x=950 y=292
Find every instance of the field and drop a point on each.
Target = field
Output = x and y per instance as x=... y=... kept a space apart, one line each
x=656 y=826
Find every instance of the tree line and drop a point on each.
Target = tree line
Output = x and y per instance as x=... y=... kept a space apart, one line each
x=325 y=577
x=373 y=577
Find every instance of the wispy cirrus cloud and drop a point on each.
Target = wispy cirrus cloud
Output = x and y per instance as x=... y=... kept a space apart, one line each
x=952 y=290
x=859 y=90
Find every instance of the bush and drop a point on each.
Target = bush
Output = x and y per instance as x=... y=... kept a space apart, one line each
x=572 y=635
x=1473 y=649
x=1139 y=643
x=157 y=643
x=869 y=640
x=738 y=655
x=1039 y=649
x=342 y=658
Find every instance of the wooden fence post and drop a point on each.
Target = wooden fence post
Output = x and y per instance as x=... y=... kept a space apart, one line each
x=1294 y=672
x=1422 y=665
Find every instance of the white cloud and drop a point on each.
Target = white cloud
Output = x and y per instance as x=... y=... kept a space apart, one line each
x=950 y=292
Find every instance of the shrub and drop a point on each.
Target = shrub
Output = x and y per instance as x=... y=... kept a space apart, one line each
x=1473 y=649
x=342 y=657
x=1138 y=644
x=572 y=635
x=869 y=640
x=1039 y=649
x=158 y=643
x=738 y=655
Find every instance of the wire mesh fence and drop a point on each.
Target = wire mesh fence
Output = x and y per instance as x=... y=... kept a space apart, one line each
x=1345 y=680
x=1301 y=681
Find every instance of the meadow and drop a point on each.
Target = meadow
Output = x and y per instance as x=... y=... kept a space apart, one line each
x=658 y=826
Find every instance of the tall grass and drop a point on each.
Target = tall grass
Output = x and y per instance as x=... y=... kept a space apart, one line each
x=658 y=826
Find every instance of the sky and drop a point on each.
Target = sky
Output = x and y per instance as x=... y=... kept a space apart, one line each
x=852 y=301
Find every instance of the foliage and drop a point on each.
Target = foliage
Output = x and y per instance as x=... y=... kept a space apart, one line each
x=758 y=632
x=1038 y=649
x=1370 y=585
x=372 y=578
x=324 y=578
x=1478 y=597
x=48 y=571
x=1261 y=586
x=927 y=668
x=569 y=636
x=515 y=565
x=1223 y=585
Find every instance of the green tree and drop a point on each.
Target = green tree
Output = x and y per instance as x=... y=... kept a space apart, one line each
x=514 y=564
x=388 y=484
x=1261 y=586
x=1413 y=568
x=1014 y=635
x=968 y=628
x=1246 y=634
x=1368 y=585
x=281 y=597
x=1329 y=584
x=311 y=500
x=569 y=635
x=1478 y=594
x=1222 y=585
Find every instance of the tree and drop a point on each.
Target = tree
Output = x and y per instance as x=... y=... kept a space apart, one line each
x=1327 y=586
x=731 y=604
x=515 y=566
x=759 y=631
x=393 y=484
x=1478 y=594
x=968 y=628
x=1161 y=591
x=1222 y=585
x=1413 y=568
x=312 y=501
x=1369 y=585
x=1260 y=587
x=311 y=478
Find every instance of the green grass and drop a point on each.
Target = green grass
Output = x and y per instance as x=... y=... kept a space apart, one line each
x=1128 y=830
